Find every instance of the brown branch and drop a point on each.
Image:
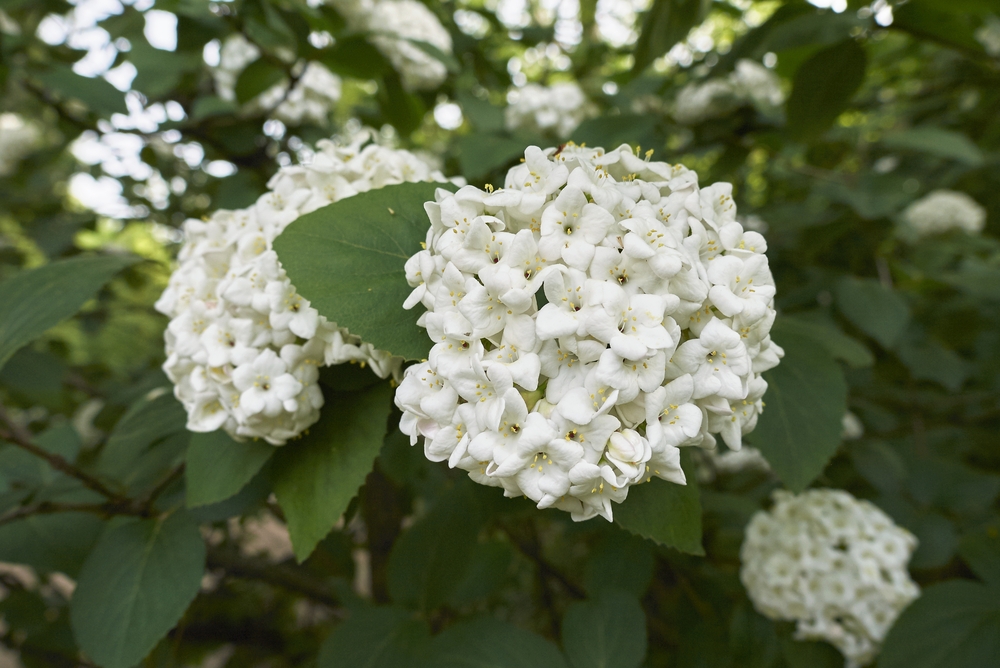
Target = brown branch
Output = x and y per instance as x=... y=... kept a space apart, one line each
x=533 y=552
x=50 y=508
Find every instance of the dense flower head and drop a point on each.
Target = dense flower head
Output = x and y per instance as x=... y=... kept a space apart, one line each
x=243 y=347
x=558 y=108
x=831 y=563
x=944 y=210
x=749 y=83
x=590 y=318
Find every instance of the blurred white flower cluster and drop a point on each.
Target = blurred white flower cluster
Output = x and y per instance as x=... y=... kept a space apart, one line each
x=395 y=26
x=243 y=347
x=944 y=210
x=18 y=138
x=315 y=91
x=749 y=83
x=558 y=108
x=588 y=319
x=831 y=563
x=988 y=35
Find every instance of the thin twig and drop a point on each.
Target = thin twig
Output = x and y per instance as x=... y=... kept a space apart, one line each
x=533 y=553
x=50 y=508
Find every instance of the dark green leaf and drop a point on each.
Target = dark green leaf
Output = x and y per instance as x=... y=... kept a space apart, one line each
x=838 y=344
x=927 y=359
x=446 y=59
x=57 y=542
x=938 y=142
x=99 y=95
x=806 y=399
x=873 y=308
x=258 y=77
x=954 y=624
x=217 y=467
x=376 y=638
x=348 y=260
x=666 y=23
x=800 y=654
x=35 y=300
x=135 y=586
x=315 y=478
x=620 y=562
x=940 y=24
x=482 y=154
x=490 y=643
x=148 y=421
x=823 y=87
x=665 y=512
x=980 y=549
x=608 y=632
x=353 y=56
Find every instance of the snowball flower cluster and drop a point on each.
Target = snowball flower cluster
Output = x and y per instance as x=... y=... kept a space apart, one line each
x=750 y=82
x=558 y=108
x=831 y=563
x=315 y=91
x=18 y=138
x=588 y=319
x=243 y=347
x=944 y=210
x=394 y=26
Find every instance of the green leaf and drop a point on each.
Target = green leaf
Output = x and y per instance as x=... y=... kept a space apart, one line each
x=99 y=95
x=376 y=638
x=937 y=142
x=800 y=654
x=876 y=310
x=665 y=512
x=35 y=300
x=799 y=429
x=217 y=467
x=315 y=478
x=980 y=549
x=823 y=87
x=134 y=588
x=490 y=643
x=258 y=77
x=353 y=56
x=841 y=346
x=348 y=260
x=666 y=23
x=147 y=422
x=926 y=359
x=57 y=542
x=479 y=155
x=621 y=561
x=446 y=59
x=954 y=624
x=943 y=25
x=608 y=632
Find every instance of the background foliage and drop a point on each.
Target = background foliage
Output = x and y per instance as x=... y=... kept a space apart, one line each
x=175 y=542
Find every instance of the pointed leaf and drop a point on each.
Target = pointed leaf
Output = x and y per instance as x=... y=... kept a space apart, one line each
x=873 y=308
x=609 y=632
x=217 y=467
x=823 y=87
x=376 y=638
x=490 y=643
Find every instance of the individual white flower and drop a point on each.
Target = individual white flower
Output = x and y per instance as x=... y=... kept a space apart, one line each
x=588 y=320
x=834 y=565
x=558 y=108
x=944 y=210
x=243 y=347
x=18 y=138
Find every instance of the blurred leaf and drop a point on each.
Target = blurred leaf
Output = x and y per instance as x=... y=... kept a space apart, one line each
x=315 y=478
x=490 y=643
x=134 y=587
x=811 y=29
x=613 y=131
x=665 y=512
x=348 y=260
x=353 y=56
x=482 y=115
x=99 y=95
x=57 y=542
x=482 y=154
x=980 y=549
x=621 y=562
x=800 y=654
x=376 y=638
x=217 y=467
x=842 y=347
x=446 y=59
x=879 y=464
x=954 y=624
x=873 y=308
x=37 y=299
x=608 y=632
x=943 y=25
x=823 y=87
x=799 y=429
x=210 y=105
x=488 y=569
x=158 y=72
x=666 y=23
x=926 y=359
x=937 y=142
x=259 y=76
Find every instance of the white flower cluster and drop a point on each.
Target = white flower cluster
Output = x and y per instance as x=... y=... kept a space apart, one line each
x=558 y=108
x=588 y=319
x=944 y=210
x=394 y=26
x=988 y=35
x=315 y=91
x=832 y=563
x=243 y=347
x=750 y=82
x=18 y=138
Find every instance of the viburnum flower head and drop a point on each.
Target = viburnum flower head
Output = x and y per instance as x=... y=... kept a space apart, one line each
x=833 y=564
x=558 y=108
x=944 y=210
x=243 y=347
x=589 y=319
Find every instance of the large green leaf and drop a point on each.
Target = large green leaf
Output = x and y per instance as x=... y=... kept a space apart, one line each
x=348 y=260
x=980 y=549
x=148 y=421
x=665 y=512
x=135 y=586
x=376 y=638
x=490 y=643
x=57 y=542
x=938 y=142
x=667 y=22
x=823 y=87
x=873 y=308
x=96 y=93
x=954 y=624
x=841 y=346
x=258 y=77
x=609 y=632
x=217 y=467
x=315 y=478
x=35 y=300
x=806 y=399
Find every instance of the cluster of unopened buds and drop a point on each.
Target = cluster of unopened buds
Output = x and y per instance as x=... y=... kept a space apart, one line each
x=243 y=347
x=590 y=318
